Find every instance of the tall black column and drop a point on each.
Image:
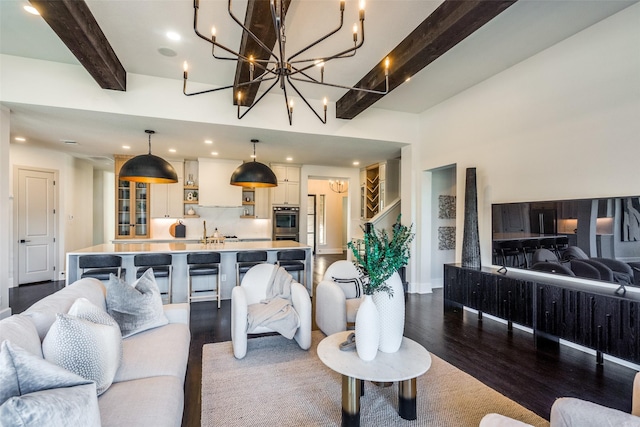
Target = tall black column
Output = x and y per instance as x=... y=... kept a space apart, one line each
x=471 y=237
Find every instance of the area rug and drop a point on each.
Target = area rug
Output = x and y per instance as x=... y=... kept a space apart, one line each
x=278 y=384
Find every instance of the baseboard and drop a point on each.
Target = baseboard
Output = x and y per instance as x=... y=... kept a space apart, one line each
x=5 y=313
x=419 y=288
x=329 y=251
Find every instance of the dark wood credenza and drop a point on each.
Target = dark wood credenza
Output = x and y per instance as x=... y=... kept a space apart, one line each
x=589 y=315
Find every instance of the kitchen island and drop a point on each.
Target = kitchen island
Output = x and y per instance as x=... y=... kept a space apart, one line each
x=179 y=251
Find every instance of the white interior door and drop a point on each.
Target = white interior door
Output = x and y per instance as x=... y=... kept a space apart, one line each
x=36 y=226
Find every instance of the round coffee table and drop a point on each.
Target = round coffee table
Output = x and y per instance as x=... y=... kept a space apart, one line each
x=403 y=366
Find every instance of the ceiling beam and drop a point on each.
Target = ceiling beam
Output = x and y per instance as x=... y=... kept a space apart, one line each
x=449 y=24
x=258 y=20
x=76 y=26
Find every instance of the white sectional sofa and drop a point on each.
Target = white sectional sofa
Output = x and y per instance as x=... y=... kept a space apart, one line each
x=148 y=389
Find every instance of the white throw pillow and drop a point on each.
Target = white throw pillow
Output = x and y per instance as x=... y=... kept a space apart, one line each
x=352 y=286
x=87 y=342
x=35 y=393
x=136 y=307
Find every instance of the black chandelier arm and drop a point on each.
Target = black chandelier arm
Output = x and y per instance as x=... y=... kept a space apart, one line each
x=257 y=100
x=344 y=54
x=286 y=101
x=324 y=121
x=277 y=26
x=196 y=7
x=314 y=81
x=259 y=79
x=316 y=61
x=253 y=36
x=321 y=39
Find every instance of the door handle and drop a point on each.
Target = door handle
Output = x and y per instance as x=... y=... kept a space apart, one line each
x=24 y=241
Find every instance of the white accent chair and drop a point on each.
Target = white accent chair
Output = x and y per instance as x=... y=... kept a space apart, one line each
x=252 y=290
x=333 y=309
x=571 y=412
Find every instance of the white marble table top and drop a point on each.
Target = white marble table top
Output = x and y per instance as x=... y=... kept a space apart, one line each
x=410 y=361
x=134 y=248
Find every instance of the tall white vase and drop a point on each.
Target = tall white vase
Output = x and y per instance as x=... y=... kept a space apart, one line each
x=367 y=329
x=391 y=314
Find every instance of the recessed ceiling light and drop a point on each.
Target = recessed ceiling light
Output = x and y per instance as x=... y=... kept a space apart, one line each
x=20 y=139
x=126 y=147
x=356 y=163
x=289 y=159
x=32 y=10
x=208 y=141
x=172 y=150
x=214 y=153
x=172 y=35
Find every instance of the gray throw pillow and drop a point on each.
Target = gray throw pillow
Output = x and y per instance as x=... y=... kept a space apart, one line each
x=136 y=307
x=352 y=286
x=87 y=342
x=34 y=392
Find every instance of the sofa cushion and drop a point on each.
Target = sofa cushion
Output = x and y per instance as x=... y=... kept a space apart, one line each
x=43 y=313
x=20 y=330
x=351 y=286
x=159 y=351
x=86 y=341
x=136 y=307
x=34 y=392
x=156 y=401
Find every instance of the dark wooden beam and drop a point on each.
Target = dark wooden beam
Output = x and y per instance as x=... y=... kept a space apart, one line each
x=258 y=20
x=448 y=25
x=74 y=23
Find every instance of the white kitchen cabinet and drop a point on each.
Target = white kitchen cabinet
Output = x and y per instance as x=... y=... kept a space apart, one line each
x=262 y=203
x=213 y=183
x=288 y=190
x=166 y=199
x=286 y=193
x=286 y=173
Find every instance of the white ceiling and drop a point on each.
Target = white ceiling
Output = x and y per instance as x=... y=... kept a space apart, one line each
x=137 y=30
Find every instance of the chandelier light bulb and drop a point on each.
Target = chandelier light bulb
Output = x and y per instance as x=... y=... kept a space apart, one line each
x=362 y=4
x=324 y=101
x=185 y=66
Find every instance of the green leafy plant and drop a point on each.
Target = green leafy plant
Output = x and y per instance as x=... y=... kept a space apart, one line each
x=382 y=255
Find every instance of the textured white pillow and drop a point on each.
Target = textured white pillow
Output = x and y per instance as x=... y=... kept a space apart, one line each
x=352 y=286
x=136 y=307
x=35 y=393
x=86 y=341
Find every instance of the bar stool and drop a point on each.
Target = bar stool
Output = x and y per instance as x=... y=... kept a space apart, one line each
x=294 y=260
x=511 y=251
x=161 y=264
x=246 y=260
x=100 y=266
x=204 y=264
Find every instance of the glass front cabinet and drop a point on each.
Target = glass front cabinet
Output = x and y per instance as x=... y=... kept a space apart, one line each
x=132 y=205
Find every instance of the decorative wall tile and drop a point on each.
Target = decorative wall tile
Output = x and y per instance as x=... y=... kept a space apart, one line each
x=446 y=238
x=447 y=207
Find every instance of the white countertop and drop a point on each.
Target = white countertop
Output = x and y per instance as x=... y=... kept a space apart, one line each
x=133 y=248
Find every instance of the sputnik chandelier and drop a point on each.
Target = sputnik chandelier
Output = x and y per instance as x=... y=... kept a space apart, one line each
x=338 y=186
x=279 y=68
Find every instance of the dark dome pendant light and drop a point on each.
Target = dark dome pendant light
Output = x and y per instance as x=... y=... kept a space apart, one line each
x=148 y=168
x=253 y=174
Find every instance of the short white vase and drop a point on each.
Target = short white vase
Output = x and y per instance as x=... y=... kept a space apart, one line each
x=367 y=329
x=391 y=314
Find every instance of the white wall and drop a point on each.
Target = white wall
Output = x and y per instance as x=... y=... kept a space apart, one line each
x=6 y=205
x=563 y=124
x=443 y=183
x=74 y=197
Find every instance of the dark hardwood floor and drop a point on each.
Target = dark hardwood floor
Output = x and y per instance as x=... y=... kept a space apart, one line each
x=507 y=361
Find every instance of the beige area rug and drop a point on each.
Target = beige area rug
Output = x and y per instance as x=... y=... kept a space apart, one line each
x=278 y=384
